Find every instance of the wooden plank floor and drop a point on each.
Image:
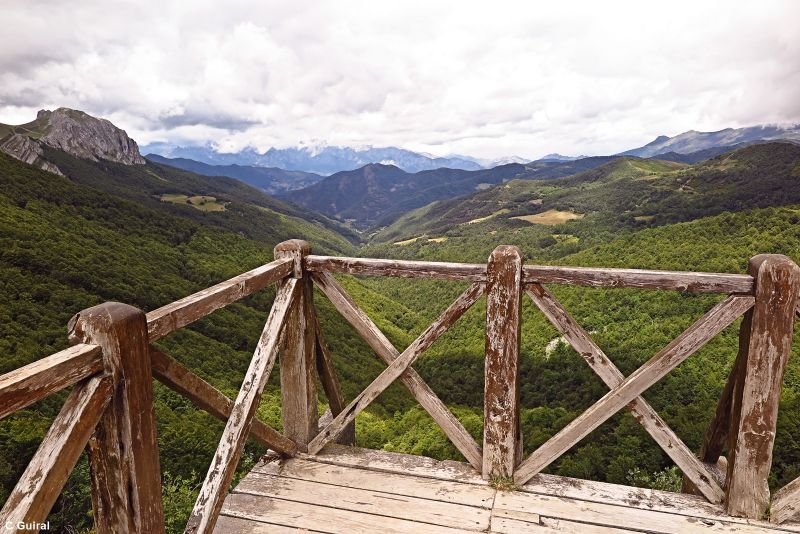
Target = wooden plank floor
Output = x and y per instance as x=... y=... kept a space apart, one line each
x=352 y=490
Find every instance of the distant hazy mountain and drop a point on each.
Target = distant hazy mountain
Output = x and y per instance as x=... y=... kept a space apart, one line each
x=693 y=141
x=507 y=160
x=269 y=179
x=323 y=159
x=558 y=157
x=72 y=131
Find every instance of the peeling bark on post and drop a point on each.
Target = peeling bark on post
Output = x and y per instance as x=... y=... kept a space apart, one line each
x=297 y=357
x=768 y=342
x=502 y=442
x=123 y=452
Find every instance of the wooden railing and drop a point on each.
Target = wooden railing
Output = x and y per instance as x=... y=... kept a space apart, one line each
x=112 y=363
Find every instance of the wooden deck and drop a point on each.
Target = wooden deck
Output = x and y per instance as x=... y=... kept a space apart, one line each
x=347 y=489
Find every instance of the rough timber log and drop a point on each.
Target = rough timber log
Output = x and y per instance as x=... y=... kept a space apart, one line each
x=297 y=356
x=769 y=341
x=123 y=452
x=502 y=440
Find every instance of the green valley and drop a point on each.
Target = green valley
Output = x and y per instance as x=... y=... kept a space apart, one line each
x=144 y=234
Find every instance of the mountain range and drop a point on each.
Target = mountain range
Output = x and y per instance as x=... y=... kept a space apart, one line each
x=327 y=160
x=320 y=159
x=369 y=196
x=693 y=141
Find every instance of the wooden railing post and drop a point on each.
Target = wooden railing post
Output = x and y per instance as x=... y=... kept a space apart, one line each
x=123 y=452
x=767 y=331
x=297 y=356
x=502 y=441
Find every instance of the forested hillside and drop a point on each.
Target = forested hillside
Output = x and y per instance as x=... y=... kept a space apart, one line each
x=625 y=194
x=66 y=246
x=375 y=195
x=150 y=234
x=271 y=180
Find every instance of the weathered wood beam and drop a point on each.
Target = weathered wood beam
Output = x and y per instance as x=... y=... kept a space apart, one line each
x=728 y=409
x=297 y=355
x=717 y=433
x=769 y=343
x=502 y=439
x=187 y=310
x=29 y=384
x=423 y=394
x=123 y=452
x=695 y=470
x=41 y=483
x=397 y=268
x=330 y=380
x=786 y=503
x=180 y=379
x=708 y=326
x=539 y=274
x=220 y=473
x=397 y=367
x=639 y=278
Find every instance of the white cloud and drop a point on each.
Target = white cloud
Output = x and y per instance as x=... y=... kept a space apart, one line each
x=484 y=78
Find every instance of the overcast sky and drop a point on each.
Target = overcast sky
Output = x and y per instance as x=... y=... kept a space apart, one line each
x=487 y=79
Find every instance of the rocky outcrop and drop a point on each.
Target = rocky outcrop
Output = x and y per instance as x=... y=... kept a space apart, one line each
x=26 y=149
x=88 y=137
x=72 y=131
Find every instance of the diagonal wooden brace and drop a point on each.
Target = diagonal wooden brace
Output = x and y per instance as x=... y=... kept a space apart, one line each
x=423 y=394
x=697 y=335
x=220 y=473
x=583 y=344
x=397 y=367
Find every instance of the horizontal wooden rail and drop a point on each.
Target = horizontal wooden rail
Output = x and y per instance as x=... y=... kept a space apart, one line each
x=639 y=278
x=187 y=310
x=27 y=385
x=398 y=268
x=540 y=274
x=208 y=398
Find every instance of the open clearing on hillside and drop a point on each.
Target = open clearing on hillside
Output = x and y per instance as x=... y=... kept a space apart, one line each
x=415 y=239
x=550 y=217
x=495 y=214
x=201 y=202
x=407 y=241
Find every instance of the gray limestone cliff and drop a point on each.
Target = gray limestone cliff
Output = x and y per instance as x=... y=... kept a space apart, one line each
x=72 y=131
